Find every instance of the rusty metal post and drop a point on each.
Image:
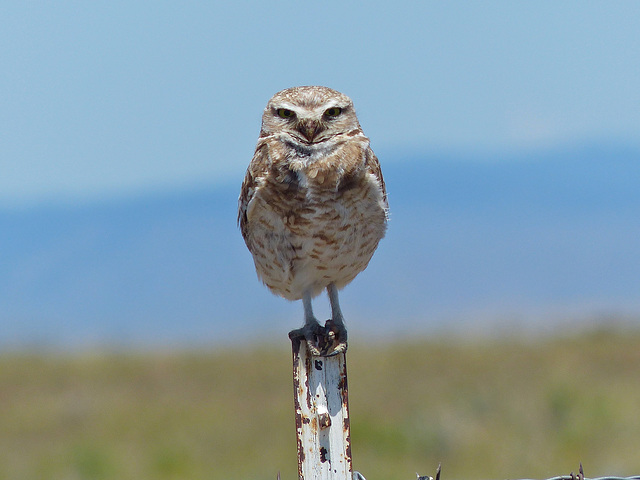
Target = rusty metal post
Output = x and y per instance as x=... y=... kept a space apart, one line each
x=322 y=415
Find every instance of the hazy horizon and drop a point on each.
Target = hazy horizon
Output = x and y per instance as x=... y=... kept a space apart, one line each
x=535 y=241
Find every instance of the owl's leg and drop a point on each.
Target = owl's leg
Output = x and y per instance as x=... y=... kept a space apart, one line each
x=335 y=326
x=314 y=333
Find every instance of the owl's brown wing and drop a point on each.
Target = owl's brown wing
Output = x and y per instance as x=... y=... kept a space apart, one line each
x=373 y=165
x=257 y=169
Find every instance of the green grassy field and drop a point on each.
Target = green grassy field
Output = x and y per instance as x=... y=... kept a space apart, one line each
x=485 y=409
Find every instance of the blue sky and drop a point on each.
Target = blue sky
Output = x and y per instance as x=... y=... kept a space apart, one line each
x=109 y=98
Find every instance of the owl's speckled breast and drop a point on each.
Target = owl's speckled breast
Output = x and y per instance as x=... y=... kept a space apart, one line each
x=314 y=224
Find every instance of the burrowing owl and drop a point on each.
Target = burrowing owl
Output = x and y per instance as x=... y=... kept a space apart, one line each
x=313 y=204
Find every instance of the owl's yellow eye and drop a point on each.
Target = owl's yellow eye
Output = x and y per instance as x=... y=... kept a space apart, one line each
x=333 y=111
x=284 y=113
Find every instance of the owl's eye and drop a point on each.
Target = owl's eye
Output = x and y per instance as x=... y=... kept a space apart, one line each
x=284 y=113
x=333 y=111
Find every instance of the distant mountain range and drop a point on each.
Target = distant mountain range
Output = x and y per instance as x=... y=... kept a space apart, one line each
x=476 y=244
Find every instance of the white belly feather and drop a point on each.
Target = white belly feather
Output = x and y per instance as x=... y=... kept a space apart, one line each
x=328 y=238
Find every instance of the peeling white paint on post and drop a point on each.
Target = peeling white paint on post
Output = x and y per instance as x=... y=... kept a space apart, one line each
x=322 y=415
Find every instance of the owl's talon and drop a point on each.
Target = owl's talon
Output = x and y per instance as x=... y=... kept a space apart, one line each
x=338 y=335
x=313 y=334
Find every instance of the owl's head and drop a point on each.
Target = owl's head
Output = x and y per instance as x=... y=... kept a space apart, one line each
x=309 y=115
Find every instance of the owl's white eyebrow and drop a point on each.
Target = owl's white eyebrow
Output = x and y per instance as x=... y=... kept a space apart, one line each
x=286 y=106
x=343 y=107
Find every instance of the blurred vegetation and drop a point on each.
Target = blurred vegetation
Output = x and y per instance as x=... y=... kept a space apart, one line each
x=485 y=409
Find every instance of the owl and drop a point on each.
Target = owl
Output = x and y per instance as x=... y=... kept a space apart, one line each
x=313 y=205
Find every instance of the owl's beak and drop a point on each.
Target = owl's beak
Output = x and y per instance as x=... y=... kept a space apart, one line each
x=310 y=129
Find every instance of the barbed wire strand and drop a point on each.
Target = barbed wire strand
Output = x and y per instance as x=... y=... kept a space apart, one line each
x=571 y=476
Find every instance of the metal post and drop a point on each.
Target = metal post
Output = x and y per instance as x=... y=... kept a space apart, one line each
x=322 y=415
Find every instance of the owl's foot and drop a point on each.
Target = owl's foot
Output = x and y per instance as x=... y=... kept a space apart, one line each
x=338 y=334
x=322 y=341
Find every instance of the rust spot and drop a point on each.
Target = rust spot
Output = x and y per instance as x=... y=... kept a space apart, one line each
x=299 y=421
x=313 y=426
x=301 y=457
x=323 y=454
x=344 y=388
x=348 y=452
x=324 y=420
x=345 y=400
